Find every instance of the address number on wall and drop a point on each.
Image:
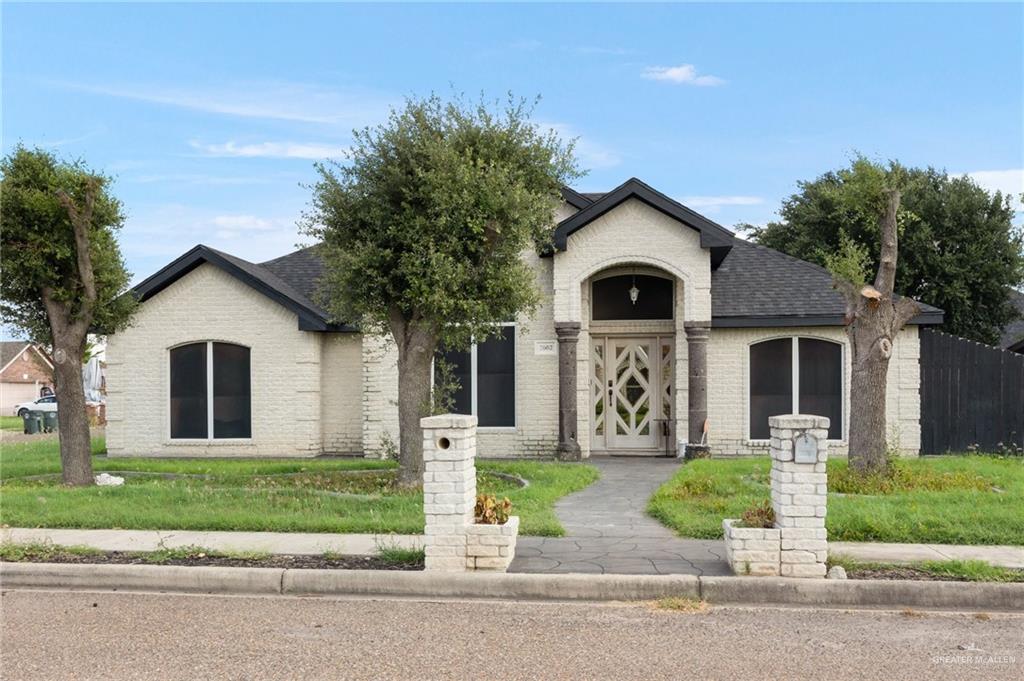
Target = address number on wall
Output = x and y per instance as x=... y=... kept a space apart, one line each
x=545 y=347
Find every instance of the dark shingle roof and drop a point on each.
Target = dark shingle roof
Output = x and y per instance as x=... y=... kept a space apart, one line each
x=1013 y=333
x=758 y=286
x=289 y=290
x=301 y=269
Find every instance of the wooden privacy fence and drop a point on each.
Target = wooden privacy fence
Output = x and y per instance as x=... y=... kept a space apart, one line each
x=972 y=395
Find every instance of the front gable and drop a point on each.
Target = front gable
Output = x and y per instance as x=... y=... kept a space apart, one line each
x=717 y=239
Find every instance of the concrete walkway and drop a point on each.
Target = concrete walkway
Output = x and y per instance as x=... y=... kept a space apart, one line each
x=607 y=530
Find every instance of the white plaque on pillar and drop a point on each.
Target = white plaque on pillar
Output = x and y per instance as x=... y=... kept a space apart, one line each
x=546 y=347
x=805 y=448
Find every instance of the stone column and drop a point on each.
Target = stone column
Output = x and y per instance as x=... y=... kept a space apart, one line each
x=697 y=358
x=799 y=451
x=568 y=447
x=449 y=489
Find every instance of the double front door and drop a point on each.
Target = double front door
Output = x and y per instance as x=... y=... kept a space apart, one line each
x=631 y=392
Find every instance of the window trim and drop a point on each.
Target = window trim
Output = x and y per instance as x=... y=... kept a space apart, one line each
x=209 y=439
x=795 y=378
x=476 y=382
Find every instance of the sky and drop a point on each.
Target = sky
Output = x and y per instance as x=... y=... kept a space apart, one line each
x=211 y=117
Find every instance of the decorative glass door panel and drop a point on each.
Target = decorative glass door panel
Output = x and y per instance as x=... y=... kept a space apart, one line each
x=632 y=393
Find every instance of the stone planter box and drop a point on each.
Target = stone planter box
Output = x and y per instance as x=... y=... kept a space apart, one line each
x=491 y=547
x=752 y=550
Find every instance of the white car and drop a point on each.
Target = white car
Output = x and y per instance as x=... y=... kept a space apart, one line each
x=48 y=403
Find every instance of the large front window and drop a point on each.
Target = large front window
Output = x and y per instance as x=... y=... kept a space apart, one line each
x=796 y=376
x=486 y=374
x=210 y=391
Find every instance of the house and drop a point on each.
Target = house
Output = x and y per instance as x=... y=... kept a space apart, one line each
x=25 y=369
x=1012 y=337
x=658 y=327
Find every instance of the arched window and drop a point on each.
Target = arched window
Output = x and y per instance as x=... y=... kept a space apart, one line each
x=631 y=297
x=796 y=376
x=202 y=408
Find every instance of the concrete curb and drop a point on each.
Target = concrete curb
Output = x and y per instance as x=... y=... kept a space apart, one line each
x=731 y=590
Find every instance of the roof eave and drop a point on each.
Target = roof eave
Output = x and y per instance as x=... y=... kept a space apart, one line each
x=308 y=320
x=755 y=321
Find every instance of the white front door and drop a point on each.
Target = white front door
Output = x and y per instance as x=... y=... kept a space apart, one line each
x=631 y=390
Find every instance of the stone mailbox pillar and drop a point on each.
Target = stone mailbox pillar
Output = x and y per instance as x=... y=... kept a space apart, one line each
x=449 y=488
x=799 y=450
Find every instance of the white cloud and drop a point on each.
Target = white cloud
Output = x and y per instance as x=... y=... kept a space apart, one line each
x=234 y=149
x=591 y=155
x=1009 y=182
x=684 y=74
x=718 y=201
x=301 y=102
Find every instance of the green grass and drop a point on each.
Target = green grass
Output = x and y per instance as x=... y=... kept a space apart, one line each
x=961 y=570
x=320 y=495
x=12 y=423
x=943 y=500
x=39 y=552
x=399 y=556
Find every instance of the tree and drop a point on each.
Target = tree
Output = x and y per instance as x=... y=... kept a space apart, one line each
x=961 y=251
x=423 y=229
x=874 y=314
x=62 y=276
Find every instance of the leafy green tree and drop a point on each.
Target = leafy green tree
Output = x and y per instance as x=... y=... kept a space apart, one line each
x=62 y=276
x=423 y=229
x=959 y=249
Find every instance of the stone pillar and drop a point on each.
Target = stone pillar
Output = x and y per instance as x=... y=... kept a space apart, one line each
x=799 y=451
x=697 y=354
x=449 y=488
x=568 y=447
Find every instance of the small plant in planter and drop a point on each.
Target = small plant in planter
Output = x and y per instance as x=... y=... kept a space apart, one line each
x=760 y=514
x=490 y=511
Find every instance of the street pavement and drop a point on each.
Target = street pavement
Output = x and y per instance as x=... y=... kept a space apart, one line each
x=113 y=636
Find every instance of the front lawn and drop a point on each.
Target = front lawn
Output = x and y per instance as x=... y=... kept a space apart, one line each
x=13 y=424
x=942 y=500
x=281 y=495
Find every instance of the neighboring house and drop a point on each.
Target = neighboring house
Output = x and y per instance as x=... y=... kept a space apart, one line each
x=1012 y=338
x=654 y=321
x=24 y=371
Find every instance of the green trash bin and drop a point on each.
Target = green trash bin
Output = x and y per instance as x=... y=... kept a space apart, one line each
x=33 y=424
x=49 y=421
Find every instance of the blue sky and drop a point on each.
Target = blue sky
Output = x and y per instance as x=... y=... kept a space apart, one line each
x=211 y=116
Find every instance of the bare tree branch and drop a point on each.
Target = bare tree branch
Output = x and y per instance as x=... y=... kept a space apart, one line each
x=885 y=281
x=81 y=220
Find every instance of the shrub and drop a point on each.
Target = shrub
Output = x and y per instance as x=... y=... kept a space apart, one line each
x=490 y=511
x=760 y=514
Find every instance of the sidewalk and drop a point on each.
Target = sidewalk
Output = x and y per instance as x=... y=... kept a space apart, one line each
x=363 y=544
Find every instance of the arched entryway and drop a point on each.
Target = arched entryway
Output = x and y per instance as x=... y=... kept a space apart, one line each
x=630 y=315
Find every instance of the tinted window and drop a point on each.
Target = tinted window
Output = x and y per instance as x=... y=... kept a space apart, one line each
x=188 y=391
x=771 y=384
x=231 y=391
x=461 y=369
x=821 y=382
x=611 y=298
x=496 y=379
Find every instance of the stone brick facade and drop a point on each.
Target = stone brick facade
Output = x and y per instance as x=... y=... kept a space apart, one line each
x=316 y=393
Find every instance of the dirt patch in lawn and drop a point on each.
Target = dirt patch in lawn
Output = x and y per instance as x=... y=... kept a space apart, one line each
x=924 y=574
x=294 y=562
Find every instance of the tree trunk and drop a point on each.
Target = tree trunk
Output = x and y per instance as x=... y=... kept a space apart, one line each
x=875 y=316
x=73 y=429
x=871 y=351
x=415 y=356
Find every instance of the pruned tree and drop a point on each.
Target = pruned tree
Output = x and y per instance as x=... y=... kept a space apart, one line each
x=63 y=275
x=874 y=313
x=961 y=250
x=422 y=230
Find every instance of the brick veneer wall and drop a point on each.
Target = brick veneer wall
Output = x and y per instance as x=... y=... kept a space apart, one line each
x=208 y=304
x=728 y=376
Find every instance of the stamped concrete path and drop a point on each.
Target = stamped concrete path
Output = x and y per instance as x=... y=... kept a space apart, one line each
x=607 y=530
